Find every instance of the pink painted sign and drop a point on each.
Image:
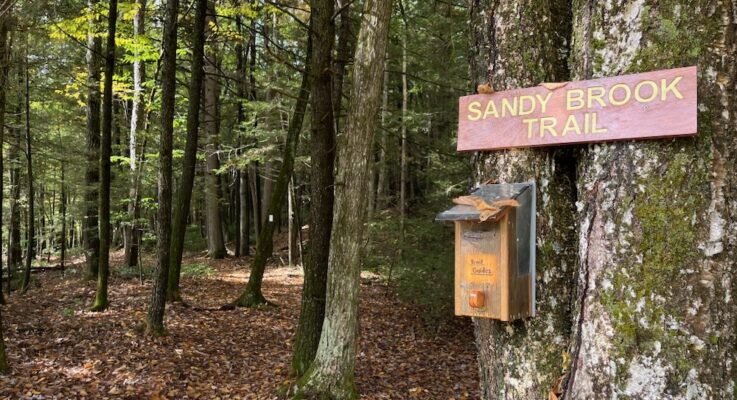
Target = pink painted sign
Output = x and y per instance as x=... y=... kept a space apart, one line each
x=650 y=105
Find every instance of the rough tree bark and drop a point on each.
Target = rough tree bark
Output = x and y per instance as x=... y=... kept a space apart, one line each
x=137 y=115
x=322 y=157
x=211 y=127
x=252 y=295
x=635 y=240
x=654 y=313
x=103 y=273
x=244 y=227
x=3 y=356
x=331 y=373
x=92 y=176
x=189 y=162
x=157 y=304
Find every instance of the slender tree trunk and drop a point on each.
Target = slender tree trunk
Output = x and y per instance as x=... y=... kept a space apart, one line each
x=137 y=114
x=210 y=124
x=101 y=298
x=292 y=230
x=403 y=154
x=331 y=373
x=252 y=295
x=189 y=162
x=4 y=65
x=381 y=179
x=92 y=176
x=63 y=210
x=244 y=225
x=322 y=156
x=342 y=58
x=31 y=241
x=157 y=305
x=15 y=253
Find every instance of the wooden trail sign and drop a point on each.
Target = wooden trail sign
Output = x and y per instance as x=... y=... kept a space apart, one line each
x=641 y=106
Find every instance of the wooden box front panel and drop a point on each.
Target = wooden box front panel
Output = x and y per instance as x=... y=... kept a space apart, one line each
x=481 y=265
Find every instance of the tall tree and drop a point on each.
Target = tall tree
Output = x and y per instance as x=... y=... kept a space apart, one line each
x=31 y=217
x=241 y=53
x=4 y=65
x=101 y=300
x=322 y=157
x=211 y=127
x=331 y=373
x=189 y=161
x=137 y=115
x=92 y=176
x=252 y=295
x=157 y=305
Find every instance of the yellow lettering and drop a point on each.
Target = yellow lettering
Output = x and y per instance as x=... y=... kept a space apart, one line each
x=613 y=100
x=670 y=88
x=570 y=99
x=512 y=107
x=474 y=111
x=653 y=91
x=594 y=128
x=529 y=123
x=544 y=102
x=531 y=109
x=490 y=110
x=571 y=125
x=548 y=124
x=596 y=93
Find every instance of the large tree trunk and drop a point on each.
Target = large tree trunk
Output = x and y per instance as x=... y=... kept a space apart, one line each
x=157 y=305
x=331 y=373
x=101 y=300
x=654 y=315
x=190 y=152
x=91 y=237
x=651 y=260
x=3 y=356
x=137 y=114
x=210 y=124
x=252 y=295
x=322 y=156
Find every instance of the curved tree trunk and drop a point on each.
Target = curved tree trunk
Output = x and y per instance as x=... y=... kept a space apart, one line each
x=252 y=295
x=331 y=373
x=635 y=243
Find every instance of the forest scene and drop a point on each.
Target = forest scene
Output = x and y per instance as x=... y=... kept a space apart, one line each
x=241 y=199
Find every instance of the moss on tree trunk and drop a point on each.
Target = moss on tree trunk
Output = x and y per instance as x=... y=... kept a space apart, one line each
x=639 y=304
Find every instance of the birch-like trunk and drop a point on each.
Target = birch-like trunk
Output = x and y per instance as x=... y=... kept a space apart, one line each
x=137 y=114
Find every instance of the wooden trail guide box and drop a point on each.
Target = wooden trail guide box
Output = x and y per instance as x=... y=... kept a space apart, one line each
x=495 y=258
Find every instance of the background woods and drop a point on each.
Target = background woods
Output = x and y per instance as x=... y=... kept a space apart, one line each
x=235 y=198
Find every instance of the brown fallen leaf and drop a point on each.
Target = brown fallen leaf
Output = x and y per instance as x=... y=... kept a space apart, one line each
x=485 y=88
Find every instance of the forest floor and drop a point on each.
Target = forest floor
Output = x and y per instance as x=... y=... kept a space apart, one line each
x=58 y=349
